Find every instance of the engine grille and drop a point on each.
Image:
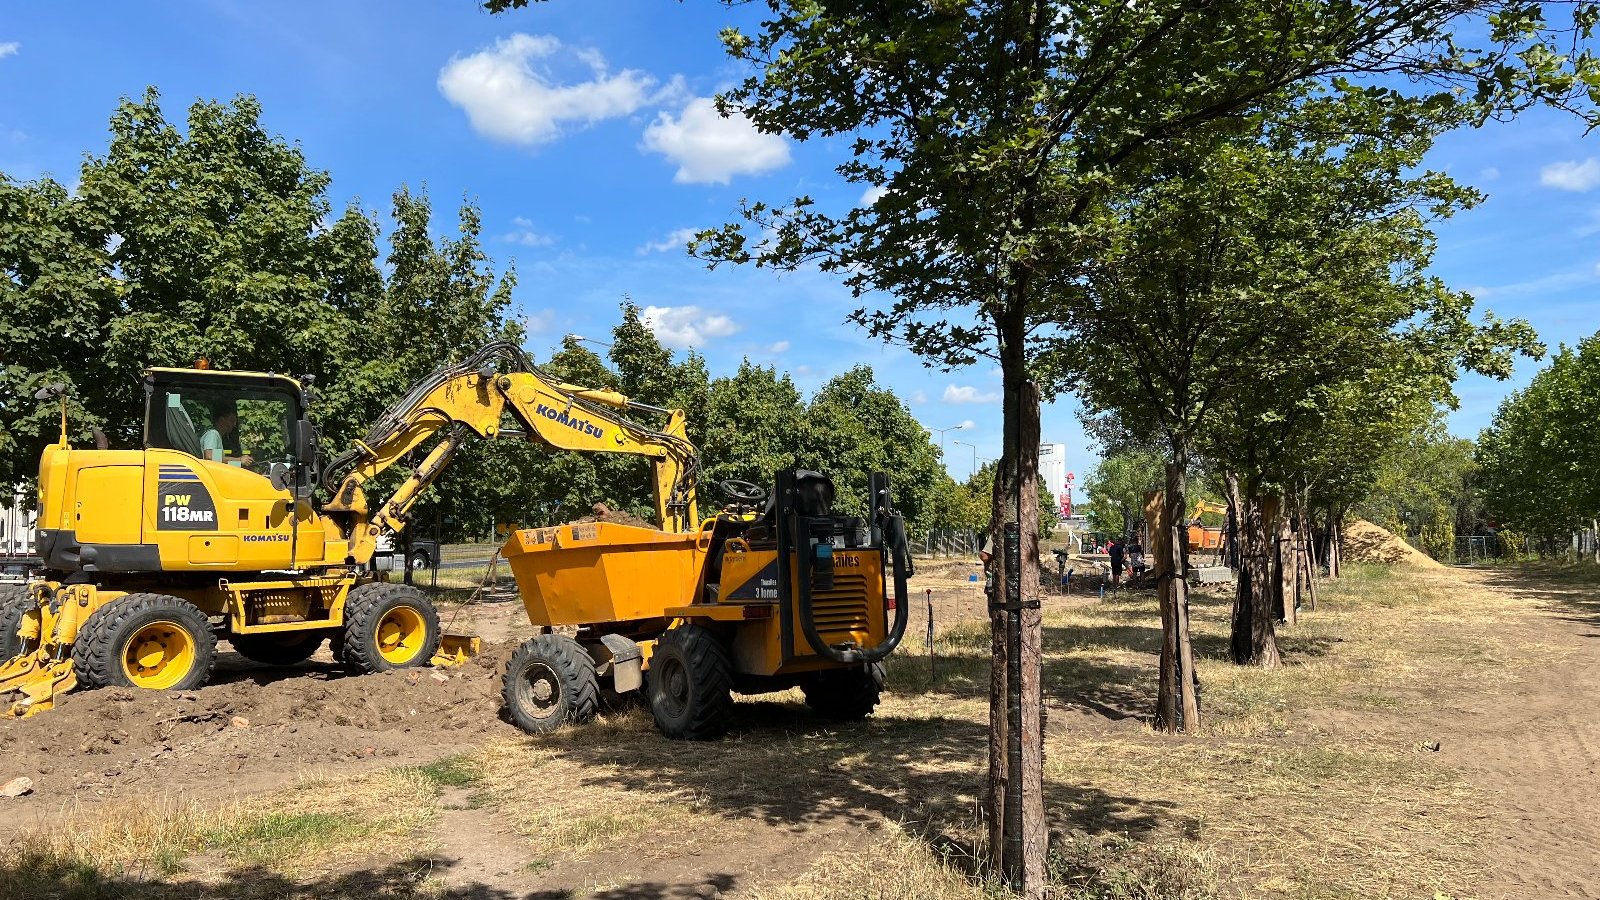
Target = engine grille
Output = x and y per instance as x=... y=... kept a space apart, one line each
x=843 y=609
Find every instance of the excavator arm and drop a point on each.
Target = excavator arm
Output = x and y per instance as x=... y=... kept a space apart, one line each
x=471 y=399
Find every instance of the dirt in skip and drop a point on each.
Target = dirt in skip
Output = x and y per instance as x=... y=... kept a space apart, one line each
x=604 y=513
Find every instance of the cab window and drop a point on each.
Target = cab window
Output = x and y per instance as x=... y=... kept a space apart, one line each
x=245 y=428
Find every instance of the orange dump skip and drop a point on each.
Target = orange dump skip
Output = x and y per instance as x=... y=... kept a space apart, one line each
x=603 y=572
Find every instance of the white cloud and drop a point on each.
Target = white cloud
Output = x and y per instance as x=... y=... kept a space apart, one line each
x=1489 y=174
x=872 y=195
x=710 y=149
x=968 y=394
x=525 y=235
x=919 y=396
x=507 y=99
x=686 y=326
x=676 y=240
x=965 y=424
x=538 y=322
x=1571 y=175
x=779 y=347
x=9 y=48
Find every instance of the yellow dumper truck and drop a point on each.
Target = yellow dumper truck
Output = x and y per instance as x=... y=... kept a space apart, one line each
x=775 y=592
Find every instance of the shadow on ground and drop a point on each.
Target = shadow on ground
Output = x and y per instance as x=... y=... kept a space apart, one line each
x=48 y=878
x=1572 y=592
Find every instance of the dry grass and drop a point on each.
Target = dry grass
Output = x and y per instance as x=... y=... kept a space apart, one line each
x=901 y=866
x=1308 y=781
x=569 y=807
x=306 y=831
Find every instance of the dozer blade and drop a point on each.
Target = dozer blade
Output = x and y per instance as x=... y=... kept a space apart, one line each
x=39 y=679
x=455 y=649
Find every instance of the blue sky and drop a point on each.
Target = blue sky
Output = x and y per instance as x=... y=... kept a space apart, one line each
x=582 y=131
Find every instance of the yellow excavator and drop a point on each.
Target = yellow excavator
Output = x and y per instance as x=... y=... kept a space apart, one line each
x=214 y=529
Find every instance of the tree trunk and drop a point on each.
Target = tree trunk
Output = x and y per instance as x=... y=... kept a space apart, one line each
x=1017 y=830
x=1239 y=644
x=1307 y=556
x=1231 y=531
x=1288 y=569
x=1176 y=705
x=1263 y=617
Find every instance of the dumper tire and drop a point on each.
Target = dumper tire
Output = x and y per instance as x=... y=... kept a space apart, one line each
x=550 y=682
x=845 y=695
x=690 y=682
x=388 y=626
x=282 y=648
x=15 y=602
x=104 y=652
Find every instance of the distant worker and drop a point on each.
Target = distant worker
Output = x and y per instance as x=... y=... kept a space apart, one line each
x=221 y=440
x=1136 y=561
x=1114 y=547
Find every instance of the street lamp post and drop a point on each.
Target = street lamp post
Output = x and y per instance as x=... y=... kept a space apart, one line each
x=941 y=435
x=579 y=337
x=974 y=455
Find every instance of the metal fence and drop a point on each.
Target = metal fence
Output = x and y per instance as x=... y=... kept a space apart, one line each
x=950 y=542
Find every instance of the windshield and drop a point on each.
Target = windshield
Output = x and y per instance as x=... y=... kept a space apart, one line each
x=238 y=425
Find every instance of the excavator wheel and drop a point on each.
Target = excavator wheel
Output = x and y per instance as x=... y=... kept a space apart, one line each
x=151 y=641
x=845 y=695
x=15 y=603
x=550 y=681
x=690 y=683
x=284 y=648
x=387 y=626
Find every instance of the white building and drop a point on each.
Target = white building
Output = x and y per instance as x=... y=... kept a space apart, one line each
x=16 y=525
x=1053 y=469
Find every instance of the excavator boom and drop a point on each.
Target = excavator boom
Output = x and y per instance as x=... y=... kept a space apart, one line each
x=473 y=398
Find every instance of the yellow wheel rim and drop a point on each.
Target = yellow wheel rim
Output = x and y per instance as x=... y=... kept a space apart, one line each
x=400 y=635
x=158 y=655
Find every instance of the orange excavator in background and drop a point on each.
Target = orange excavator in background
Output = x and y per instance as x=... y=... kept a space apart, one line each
x=1203 y=537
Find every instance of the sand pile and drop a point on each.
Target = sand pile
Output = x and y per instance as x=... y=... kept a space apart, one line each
x=1366 y=542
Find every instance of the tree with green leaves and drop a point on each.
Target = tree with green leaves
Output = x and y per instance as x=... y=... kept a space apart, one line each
x=1117 y=486
x=215 y=240
x=854 y=427
x=999 y=133
x=1539 y=459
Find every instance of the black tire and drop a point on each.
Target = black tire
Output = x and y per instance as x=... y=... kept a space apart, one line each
x=361 y=647
x=690 y=683
x=420 y=560
x=15 y=601
x=549 y=682
x=845 y=695
x=283 y=648
x=104 y=641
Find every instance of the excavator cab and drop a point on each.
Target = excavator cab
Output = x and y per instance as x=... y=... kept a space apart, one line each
x=252 y=421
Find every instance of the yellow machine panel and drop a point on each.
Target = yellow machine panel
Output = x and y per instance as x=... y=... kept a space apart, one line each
x=209 y=513
x=107 y=502
x=214 y=550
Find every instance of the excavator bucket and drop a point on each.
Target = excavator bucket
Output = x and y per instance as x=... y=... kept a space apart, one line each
x=455 y=649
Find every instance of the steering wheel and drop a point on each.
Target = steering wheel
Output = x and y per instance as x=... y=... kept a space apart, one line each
x=744 y=490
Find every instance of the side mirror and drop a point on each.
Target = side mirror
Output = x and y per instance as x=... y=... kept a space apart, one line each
x=304 y=435
x=305 y=440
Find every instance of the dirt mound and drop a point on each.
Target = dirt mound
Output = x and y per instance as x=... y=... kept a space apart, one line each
x=604 y=513
x=1366 y=542
x=252 y=728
